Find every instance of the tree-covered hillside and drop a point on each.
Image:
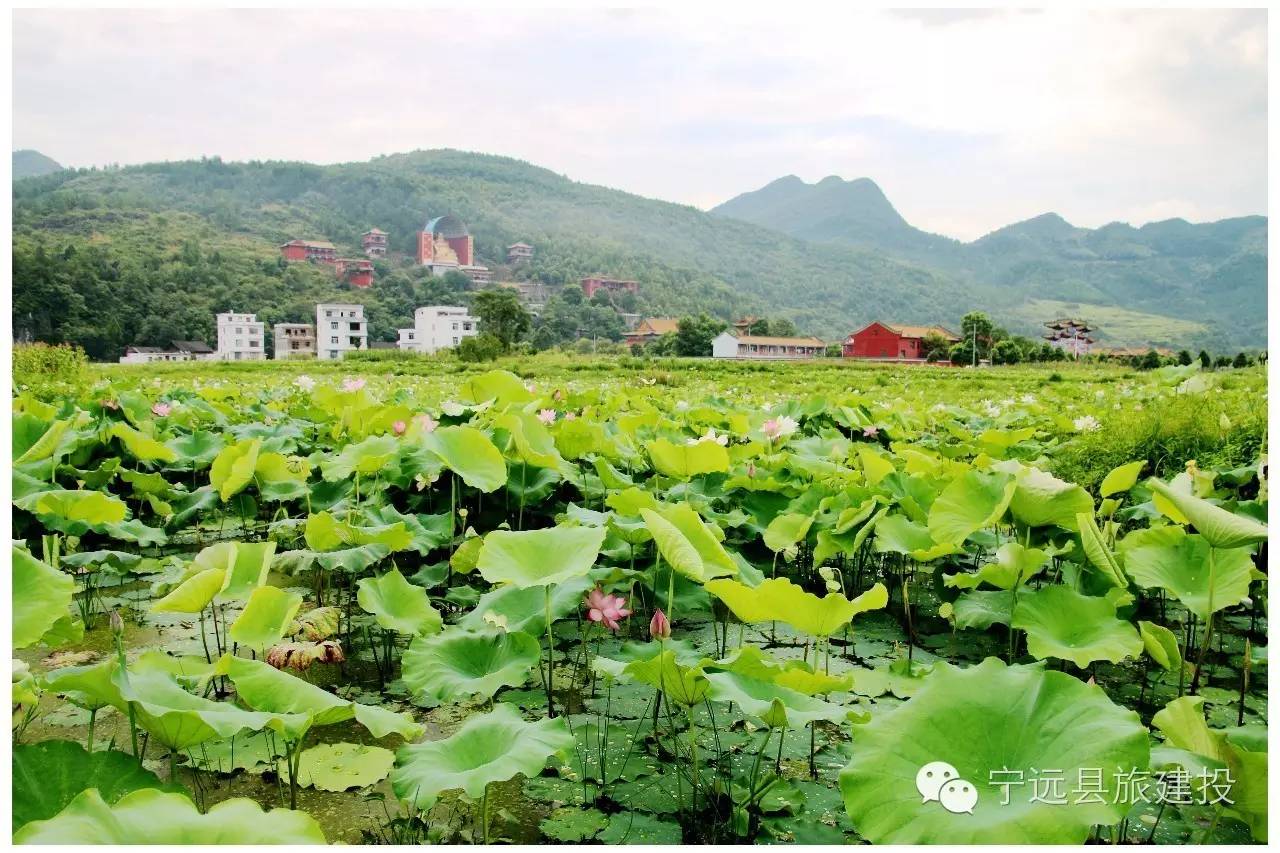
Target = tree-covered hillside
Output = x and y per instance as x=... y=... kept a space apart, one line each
x=32 y=164
x=166 y=245
x=1212 y=274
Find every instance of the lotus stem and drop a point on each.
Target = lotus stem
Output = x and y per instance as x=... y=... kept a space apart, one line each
x=1208 y=635
x=93 y=714
x=551 y=655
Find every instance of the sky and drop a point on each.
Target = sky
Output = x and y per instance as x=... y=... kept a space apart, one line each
x=968 y=120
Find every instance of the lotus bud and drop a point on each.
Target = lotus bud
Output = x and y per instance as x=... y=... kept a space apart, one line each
x=399 y=427
x=659 y=626
x=117 y=624
x=832 y=586
x=462 y=513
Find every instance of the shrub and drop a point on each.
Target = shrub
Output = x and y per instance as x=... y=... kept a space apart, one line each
x=482 y=347
x=39 y=364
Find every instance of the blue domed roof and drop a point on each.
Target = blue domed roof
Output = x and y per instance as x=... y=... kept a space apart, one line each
x=446 y=226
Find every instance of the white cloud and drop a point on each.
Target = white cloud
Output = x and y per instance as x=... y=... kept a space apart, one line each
x=967 y=121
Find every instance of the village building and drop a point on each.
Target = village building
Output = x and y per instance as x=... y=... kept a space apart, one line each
x=519 y=253
x=651 y=328
x=594 y=284
x=729 y=345
x=374 y=243
x=241 y=337
x=309 y=250
x=1070 y=336
x=357 y=272
x=176 y=351
x=445 y=245
x=896 y=343
x=437 y=327
x=743 y=324
x=533 y=295
x=293 y=341
x=340 y=328
x=477 y=273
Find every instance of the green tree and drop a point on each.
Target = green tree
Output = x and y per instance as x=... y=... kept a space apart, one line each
x=1206 y=361
x=482 y=347
x=1150 y=361
x=781 y=327
x=934 y=346
x=1006 y=352
x=1184 y=357
x=1241 y=360
x=976 y=328
x=501 y=315
x=694 y=335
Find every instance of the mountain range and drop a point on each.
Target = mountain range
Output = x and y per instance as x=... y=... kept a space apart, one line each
x=173 y=242
x=33 y=164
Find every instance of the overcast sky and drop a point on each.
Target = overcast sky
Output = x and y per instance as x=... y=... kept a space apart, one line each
x=967 y=120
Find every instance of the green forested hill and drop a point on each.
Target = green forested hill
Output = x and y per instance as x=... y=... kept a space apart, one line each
x=149 y=253
x=1211 y=274
x=32 y=164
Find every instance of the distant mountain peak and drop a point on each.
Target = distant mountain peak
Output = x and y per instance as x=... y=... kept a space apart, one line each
x=28 y=163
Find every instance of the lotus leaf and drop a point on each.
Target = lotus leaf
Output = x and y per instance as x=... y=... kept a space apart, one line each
x=985 y=721
x=399 y=605
x=900 y=535
x=266 y=617
x=683 y=461
x=1042 y=499
x=778 y=599
x=539 y=557
x=525 y=608
x=970 y=502
x=493 y=747
x=324 y=532
x=142 y=447
x=1097 y=552
x=470 y=454
x=365 y=458
x=1219 y=527
x=677 y=550
x=150 y=816
x=683 y=685
x=41 y=596
x=1121 y=479
x=339 y=766
x=1062 y=623
x=233 y=467
x=756 y=697
x=1204 y=578
x=458 y=664
x=1161 y=644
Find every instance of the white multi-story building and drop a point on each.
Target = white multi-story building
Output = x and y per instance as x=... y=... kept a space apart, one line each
x=340 y=328
x=438 y=327
x=240 y=338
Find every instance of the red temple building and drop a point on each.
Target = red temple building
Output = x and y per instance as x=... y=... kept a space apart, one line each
x=357 y=272
x=309 y=250
x=591 y=285
x=901 y=343
x=374 y=242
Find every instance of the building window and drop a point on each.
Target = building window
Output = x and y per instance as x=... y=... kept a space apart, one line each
x=333 y=325
x=333 y=353
x=333 y=340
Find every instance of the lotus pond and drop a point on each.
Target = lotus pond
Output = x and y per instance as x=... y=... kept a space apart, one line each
x=621 y=601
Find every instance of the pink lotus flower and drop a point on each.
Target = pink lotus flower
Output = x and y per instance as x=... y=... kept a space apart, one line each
x=427 y=423
x=659 y=626
x=776 y=428
x=353 y=384
x=606 y=608
x=870 y=432
x=547 y=416
x=161 y=410
x=751 y=469
x=399 y=427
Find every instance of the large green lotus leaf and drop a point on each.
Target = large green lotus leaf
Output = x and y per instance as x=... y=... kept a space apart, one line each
x=1014 y=564
x=142 y=447
x=490 y=748
x=281 y=478
x=266 y=617
x=1042 y=499
x=339 y=766
x=458 y=664
x=48 y=775
x=399 y=605
x=683 y=685
x=780 y=600
x=539 y=557
x=683 y=461
x=1220 y=528
x=756 y=697
x=986 y=720
x=198 y=449
x=233 y=467
x=786 y=530
x=193 y=594
x=716 y=561
x=898 y=534
x=265 y=688
x=91 y=687
x=365 y=458
x=1161 y=644
x=1062 y=623
x=533 y=442
x=249 y=568
x=470 y=454
x=1183 y=725
x=75 y=511
x=151 y=816
x=970 y=502
x=1097 y=552
x=46 y=445
x=324 y=532
x=752 y=662
x=180 y=720
x=1121 y=478
x=525 y=608
x=501 y=386
x=41 y=596
x=983 y=608
x=1203 y=578
x=674 y=547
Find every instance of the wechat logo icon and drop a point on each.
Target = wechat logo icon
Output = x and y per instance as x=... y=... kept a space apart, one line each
x=939 y=782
